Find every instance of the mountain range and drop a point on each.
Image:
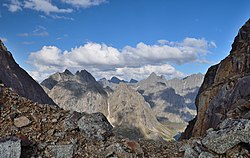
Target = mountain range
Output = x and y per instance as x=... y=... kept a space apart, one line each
x=152 y=108
x=220 y=128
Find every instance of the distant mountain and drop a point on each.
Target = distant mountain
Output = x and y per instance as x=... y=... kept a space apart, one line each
x=132 y=116
x=171 y=100
x=123 y=106
x=13 y=76
x=116 y=80
x=133 y=81
x=79 y=92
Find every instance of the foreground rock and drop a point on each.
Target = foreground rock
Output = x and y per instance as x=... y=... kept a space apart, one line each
x=231 y=140
x=225 y=90
x=19 y=80
x=10 y=148
x=54 y=132
x=231 y=133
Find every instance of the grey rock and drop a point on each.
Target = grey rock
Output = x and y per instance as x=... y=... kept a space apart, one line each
x=190 y=153
x=10 y=148
x=95 y=126
x=206 y=155
x=116 y=150
x=70 y=123
x=231 y=132
x=61 y=151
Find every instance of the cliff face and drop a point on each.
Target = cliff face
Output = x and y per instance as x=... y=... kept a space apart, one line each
x=19 y=80
x=225 y=92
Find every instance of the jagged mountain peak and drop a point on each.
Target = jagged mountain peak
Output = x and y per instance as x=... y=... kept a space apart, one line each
x=133 y=81
x=153 y=75
x=116 y=80
x=2 y=46
x=242 y=39
x=67 y=72
x=85 y=76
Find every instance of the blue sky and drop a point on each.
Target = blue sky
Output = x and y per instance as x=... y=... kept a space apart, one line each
x=125 y=38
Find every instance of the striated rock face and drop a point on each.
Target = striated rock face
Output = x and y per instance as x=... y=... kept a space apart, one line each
x=171 y=100
x=19 y=80
x=79 y=92
x=225 y=91
x=129 y=111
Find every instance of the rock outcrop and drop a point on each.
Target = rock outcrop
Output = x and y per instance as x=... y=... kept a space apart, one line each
x=129 y=112
x=225 y=91
x=12 y=75
x=230 y=140
x=79 y=92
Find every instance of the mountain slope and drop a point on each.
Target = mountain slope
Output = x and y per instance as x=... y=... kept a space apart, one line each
x=128 y=110
x=79 y=92
x=12 y=75
x=171 y=100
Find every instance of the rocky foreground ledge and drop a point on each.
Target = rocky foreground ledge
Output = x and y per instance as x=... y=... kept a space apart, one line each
x=30 y=129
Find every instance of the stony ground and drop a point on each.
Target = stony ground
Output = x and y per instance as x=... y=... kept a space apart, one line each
x=29 y=129
x=34 y=130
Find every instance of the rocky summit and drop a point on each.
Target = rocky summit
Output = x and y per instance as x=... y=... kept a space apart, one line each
x=12 y=75
x=79 y=92
x=226 y=89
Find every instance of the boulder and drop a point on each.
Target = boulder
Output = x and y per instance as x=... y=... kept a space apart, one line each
x=231 y=132
x=95 y=126
x=10 y=148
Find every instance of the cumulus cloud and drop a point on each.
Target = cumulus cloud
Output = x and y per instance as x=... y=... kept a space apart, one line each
x=14 y=5
x=48 y=7
x=84 y=3
x=44 y=6
x=104 y=60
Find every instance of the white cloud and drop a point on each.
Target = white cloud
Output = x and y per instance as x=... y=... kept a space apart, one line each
x=44 y=6
x=48 y=7
x=27 y=43
x=84 y=3
x=14 y=5
x=38 y=31
x=140 y=73
x=127 y=62
x=3 y=39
